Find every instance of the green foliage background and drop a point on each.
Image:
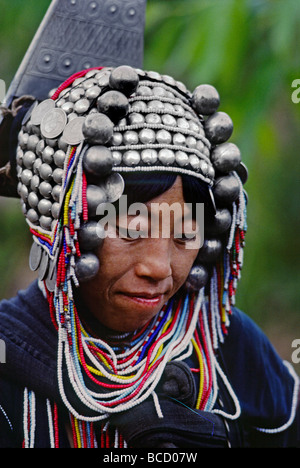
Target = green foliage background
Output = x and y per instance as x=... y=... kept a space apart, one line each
x=249 y=50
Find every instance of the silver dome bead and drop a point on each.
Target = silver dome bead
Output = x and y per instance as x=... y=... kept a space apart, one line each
x=197 y=278
x=33 y=199
x=44 y=207
x=166 y=156
x=218 y=128
x=82 y=106
x=153 y=118
x=169 y=108
x=163 y=137
x=59 y=158
x=26 y=176
x=40 y=148
x=117 y=157
x=136 y=118
x=28 y=159
x=181 y=158
x=32 y=216
x=144 y=91
x=130 y=138
x=117 y=139
x=154 y=75
x=46 y=222
x=19 y=157
x=88 y=235
x=23 y=192
x=131 y=158
x=179 y=110
x=210 y=251
x=76 y=94
x=149 y=156
x=191 y=142
x=204 y=167
x=34 y=183
x=97 y=129
x=87 y=84
x=58 y=176
x=78 y=81
x=97 y=161
x=147 y=136
x=226 y=157
x=55 y=210
x=86 y=267
x=56 y=191
x=179 y=139
x=32 y=142
x=183 y=123
x=220 y=223
x=45 y=189
x=200 y=146
x=68 y=107
x=139 y=106
x=47 y=155
x=52 y=142
x=155 y=105
x=194 y=126
x=211 y=172
x=226 y=189
x=45 y=171
x=93 y=92
x=63 y=145
x=95 y=196
x=169 y=120
x=205 y=99
x=194 y=162
x=23 y=139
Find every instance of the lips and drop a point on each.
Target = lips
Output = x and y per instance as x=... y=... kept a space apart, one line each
x=147 y=299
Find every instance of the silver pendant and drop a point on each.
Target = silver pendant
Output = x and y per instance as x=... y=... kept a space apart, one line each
x=35 y=256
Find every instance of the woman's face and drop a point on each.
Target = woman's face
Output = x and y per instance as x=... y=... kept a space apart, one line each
x=138 y=276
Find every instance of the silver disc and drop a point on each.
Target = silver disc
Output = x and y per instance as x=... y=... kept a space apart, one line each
x=73 y=131
x=35 y=256
x=43 y=268
x=51 y=276
x=41 y=110
x=53 y=123
x=113 y=187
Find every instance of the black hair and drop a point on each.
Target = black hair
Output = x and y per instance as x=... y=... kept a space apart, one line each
x=144 y=186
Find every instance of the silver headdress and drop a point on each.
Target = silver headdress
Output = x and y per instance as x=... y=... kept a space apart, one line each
x=108 y=121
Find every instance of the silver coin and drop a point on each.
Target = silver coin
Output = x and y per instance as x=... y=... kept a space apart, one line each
x=53 y=123
x=51 y=276
x=43 y=267
x=72 y=134
x=41 y=110
x=35 y=256
x=113 y=187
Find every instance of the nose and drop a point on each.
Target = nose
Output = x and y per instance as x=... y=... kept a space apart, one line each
x=155 y=262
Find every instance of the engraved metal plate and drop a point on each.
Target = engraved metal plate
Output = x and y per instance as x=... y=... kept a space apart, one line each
x=79 y=34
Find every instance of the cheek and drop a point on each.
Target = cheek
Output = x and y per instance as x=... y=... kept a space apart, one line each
x=183 y=264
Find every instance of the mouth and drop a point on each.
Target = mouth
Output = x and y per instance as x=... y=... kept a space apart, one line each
x=145 y=299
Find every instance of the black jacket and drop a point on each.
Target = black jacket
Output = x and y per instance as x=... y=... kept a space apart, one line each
x=259 y=378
